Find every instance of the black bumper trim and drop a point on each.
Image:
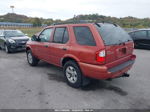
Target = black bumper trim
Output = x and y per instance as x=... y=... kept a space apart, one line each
x=121 y=66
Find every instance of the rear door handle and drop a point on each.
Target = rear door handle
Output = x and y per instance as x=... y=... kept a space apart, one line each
x=46 y=46
x=65 y=49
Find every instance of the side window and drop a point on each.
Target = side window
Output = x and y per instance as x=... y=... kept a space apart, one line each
x=61 y=35
x=84 y=36
x=140 y=34
x=45 y=35
x=149 y=34
x=131 y=34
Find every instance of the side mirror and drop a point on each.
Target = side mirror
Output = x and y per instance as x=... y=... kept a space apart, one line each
x=34 y=38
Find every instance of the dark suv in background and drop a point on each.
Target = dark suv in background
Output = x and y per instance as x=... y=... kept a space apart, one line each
x=141 y=38
x=12 y=40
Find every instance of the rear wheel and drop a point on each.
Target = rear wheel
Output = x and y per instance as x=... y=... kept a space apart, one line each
x=32 y=60
x=72 y=74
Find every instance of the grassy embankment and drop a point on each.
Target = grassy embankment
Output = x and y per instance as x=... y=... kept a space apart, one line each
x=30 y=31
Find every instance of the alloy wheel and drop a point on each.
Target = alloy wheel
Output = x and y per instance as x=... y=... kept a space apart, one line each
x=30 y=58
x=71 y=74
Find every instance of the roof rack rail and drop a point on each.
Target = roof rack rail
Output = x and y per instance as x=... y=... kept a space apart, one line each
x=84 y=22
x=74 y=22
x=107 y=22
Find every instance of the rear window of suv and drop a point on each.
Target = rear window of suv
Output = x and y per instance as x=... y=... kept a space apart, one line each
x=112 y=34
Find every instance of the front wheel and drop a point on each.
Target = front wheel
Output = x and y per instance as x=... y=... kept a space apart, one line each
x=72 y=74
x=0 y=47
x=7 y=50
x=32 y=60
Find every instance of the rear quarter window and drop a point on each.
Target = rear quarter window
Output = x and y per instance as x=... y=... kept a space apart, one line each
x=84 y=36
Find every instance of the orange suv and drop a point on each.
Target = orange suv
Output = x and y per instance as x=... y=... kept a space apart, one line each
x=84 y=51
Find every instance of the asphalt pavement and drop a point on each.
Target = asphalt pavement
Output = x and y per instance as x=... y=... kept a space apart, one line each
x=43 y=87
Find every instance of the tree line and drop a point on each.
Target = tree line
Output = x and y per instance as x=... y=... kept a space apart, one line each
x=126 y=22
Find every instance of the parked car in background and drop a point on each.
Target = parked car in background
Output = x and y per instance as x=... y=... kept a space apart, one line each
x=141 y=38
x=12 y=40
x=84 y=51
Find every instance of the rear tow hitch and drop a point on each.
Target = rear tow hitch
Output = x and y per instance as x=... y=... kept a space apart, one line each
x=124 y=75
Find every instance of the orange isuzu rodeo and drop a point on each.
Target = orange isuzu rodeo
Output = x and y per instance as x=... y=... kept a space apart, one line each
x=84 y=51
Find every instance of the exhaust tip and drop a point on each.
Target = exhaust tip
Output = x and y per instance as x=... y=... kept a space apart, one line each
x=126 y=75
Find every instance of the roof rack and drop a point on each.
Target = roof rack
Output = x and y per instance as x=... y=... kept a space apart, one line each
x=73 y=22
x=84 y=22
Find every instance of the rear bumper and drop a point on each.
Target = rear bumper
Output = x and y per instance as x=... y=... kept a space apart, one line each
x=121 y=66
x=104 y=72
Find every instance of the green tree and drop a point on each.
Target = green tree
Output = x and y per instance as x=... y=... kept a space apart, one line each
x=37 y=22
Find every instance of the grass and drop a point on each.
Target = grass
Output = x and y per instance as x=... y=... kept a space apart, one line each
x=29 y=31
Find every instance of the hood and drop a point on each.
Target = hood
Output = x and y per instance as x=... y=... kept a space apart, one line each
x=20 y=38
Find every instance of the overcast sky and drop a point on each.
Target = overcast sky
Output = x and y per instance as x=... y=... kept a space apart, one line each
x=64 y=9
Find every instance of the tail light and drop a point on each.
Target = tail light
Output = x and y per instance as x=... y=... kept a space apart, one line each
x=100 y=56
x=133 y=57
x=133 y=45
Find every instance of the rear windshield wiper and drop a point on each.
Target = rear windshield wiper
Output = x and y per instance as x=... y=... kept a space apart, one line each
x=98 y=24
x=115 y=25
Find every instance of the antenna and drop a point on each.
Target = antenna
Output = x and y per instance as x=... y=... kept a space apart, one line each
x=12 y=7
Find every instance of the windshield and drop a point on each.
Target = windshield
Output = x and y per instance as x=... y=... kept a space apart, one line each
x=112 y=34
x=13 y=33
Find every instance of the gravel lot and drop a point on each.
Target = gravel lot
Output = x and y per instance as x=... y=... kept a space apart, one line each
x=43 y=87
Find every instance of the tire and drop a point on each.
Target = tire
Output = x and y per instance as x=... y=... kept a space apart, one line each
x=72 y=74
x=7 y=50
x=136 y=46
x=32 y=60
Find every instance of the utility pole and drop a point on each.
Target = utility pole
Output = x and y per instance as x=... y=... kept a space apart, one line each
x=12 y=7
x=74 y=18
